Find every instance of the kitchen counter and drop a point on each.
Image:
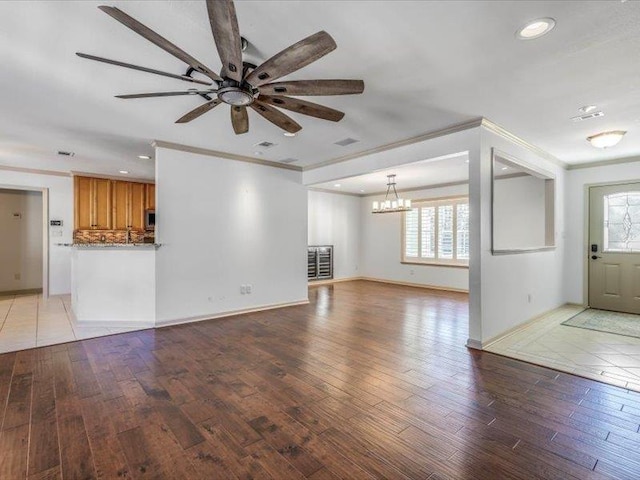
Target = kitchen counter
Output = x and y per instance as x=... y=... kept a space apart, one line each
x=110 y=245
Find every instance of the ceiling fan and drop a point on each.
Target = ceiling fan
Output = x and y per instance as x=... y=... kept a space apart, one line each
x=241 y=84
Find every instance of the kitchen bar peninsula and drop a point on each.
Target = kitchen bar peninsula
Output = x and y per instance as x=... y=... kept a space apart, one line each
x=113 y=285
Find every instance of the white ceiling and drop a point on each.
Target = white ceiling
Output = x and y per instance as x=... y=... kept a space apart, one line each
x=426 y=65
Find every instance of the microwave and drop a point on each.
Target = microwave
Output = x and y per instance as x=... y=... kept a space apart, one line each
x=149 y=219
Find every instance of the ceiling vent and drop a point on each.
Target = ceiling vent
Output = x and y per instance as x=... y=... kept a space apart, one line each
x=65 y=154
x=265 y=144
x=588 y=116
x=289 y=160
x=346 y=141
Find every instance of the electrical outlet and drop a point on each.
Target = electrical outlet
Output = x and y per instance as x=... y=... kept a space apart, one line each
x=529 y=298
x=16 y=276
x=412 y=272
x=248 y=288
x=243 y=289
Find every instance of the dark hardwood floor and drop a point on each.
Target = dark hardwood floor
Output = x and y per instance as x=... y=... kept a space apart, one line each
x=368 y=381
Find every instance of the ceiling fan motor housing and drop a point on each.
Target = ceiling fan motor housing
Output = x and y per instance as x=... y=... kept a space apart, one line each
x=236 y=94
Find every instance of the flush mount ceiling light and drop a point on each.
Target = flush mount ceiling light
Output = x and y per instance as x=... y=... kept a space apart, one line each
x=536 y=28
x=391 y=205
x=587 y=108
x=289 y=134
x=606 y=139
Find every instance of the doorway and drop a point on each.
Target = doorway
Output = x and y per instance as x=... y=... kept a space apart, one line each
x=23 y=249
x=614 y=247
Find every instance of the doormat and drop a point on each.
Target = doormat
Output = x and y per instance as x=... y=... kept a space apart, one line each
x=618 y=323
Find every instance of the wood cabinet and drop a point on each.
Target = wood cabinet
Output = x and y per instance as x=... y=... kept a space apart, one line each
x=104 y=204
x=150 y=197
x=92 y=203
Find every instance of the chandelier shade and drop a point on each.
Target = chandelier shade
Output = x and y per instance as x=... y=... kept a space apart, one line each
x=391 y=203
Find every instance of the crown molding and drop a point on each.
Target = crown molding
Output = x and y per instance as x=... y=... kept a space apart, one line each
x=603 y=163
x=124 y=178
x=228 y=156
x=401 y=143
x=37 y=171
x=507 y=135
x=333 y=192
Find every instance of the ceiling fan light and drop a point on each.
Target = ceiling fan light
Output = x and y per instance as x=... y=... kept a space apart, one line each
x=606 y=139
x=235 y=96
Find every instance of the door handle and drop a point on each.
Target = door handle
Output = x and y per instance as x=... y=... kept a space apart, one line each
x=595 y=257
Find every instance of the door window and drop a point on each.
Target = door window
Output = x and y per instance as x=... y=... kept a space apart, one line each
x=622 y=222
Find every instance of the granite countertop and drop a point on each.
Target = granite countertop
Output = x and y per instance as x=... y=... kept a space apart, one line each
x=109 y=245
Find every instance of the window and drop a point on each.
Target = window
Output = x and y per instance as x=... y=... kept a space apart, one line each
x=622 y=222
x=437 y=232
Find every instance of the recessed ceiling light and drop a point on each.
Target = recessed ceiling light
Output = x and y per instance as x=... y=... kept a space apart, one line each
x=361 y=191
x=144 y=157
x=587 y=108
x=257 y=153
x=124 y=172
x=536 y=28
x=289 y=134
x=337 y=185
x=606 y=139
x=505 y=168
x=466 y=161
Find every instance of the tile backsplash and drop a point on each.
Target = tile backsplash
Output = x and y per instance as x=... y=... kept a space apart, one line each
x=110 y=236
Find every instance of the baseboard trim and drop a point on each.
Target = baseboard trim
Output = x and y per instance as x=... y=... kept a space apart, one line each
x=522 y=326
x=108 y=324
x=26 y=291
x=230 y=313
x=417 y=285
x=314 y=283
x=475 y=344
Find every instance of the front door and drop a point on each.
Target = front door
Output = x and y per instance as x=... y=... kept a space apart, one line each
x=614 y=247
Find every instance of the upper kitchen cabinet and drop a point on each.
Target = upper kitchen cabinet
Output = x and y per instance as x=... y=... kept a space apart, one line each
x=136 y=209
x=92 y=203
x=150 y=197
x=103 y=204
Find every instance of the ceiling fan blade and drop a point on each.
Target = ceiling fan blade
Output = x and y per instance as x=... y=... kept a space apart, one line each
x=304 y=107
x=159 y=40
x=240 y=119
x=276 y=117
x=142 y=69
x=164 y=94
x=196 y=112
x=293 y=58
x=226 y=33
x=314 y=87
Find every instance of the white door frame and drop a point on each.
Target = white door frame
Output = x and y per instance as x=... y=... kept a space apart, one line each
x=45 y=231
x=585 y=243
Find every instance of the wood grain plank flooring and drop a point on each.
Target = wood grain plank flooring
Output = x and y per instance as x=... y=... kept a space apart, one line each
x=368 y=381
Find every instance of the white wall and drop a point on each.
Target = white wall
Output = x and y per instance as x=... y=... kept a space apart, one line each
x=575 y=211
x=21 y=240
x=519 y=213
x=334 y=219
x=60 y=194
x=511 y=289
x=381 y=246
x=222 y=224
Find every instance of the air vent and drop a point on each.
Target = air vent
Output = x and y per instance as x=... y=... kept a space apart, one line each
x=588 y=116
x=265 y=144
x=346 y=141
x=289 y=160
x=66 y=154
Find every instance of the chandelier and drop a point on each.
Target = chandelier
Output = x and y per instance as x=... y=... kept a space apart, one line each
x=390 y=205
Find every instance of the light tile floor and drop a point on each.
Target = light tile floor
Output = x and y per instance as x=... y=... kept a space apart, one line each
x=28 y=321
x=609 y=358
